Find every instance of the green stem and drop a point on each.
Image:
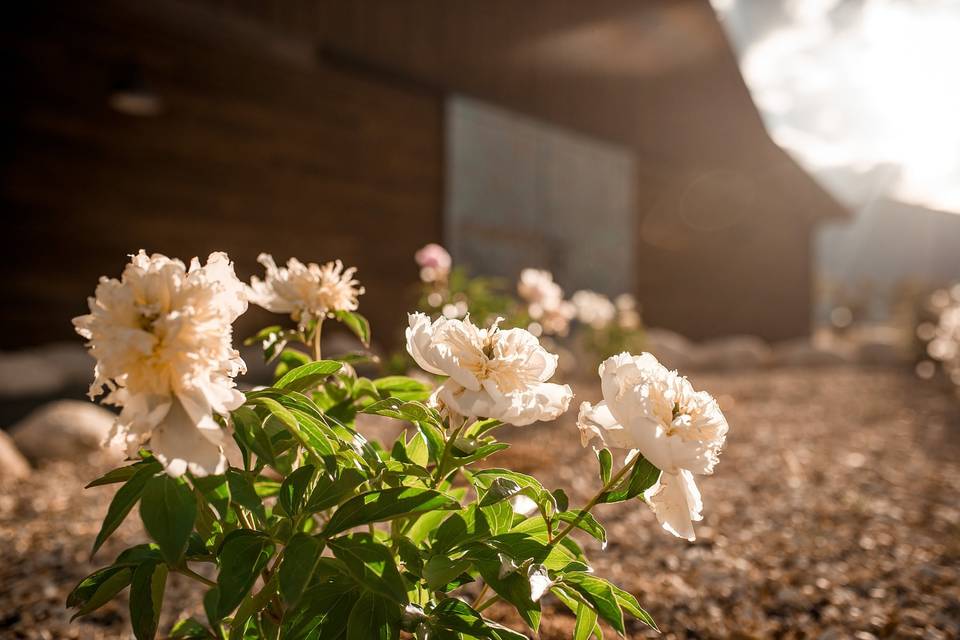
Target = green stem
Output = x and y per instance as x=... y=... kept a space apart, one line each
x=487 y=604
x=190 y=573
x=442 y=465
x=595 y=499
x=316 y=339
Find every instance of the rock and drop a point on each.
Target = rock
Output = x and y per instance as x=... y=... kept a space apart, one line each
x=62 y=430
x=671 y=348
x=802 y=352
x=13 y=465
x=44 y=370
x=734 y=352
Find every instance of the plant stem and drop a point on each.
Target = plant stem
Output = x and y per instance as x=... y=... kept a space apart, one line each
x=483 y=592
x=316 y=339
x=486 y=604
x=595 y=499
x=441 y=466
x=190 y=573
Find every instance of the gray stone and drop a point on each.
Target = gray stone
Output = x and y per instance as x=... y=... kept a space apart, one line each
x=13 y=466
x=671 y=348
x=734 y=352
x=62 y=430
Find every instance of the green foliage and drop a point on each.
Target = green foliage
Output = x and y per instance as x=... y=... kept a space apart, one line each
x=322 y=534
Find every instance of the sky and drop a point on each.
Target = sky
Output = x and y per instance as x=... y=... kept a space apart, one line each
x=865 y=94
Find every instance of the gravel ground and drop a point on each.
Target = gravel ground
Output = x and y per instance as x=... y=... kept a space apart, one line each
x=833 y=514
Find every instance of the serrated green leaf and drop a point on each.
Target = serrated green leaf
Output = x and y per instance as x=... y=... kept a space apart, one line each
x=386 y=504
x=146 y=599
x=123 y=501
x=629 y=604
x=168 y=510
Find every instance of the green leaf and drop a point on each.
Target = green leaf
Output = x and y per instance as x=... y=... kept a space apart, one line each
x=123 y=501
x=513 y=588
x=329 y=491
x=643 y=476
x=122 y=474
x=295 y=490
x=586 y=523
x=457 y=615
x=373 y=618
x=409 y=411
x=308 y=375
x=500 y=489
x=300 y=559
x=322 y=611
x=471 y=525
x=146 y=599
x=586 y=622
x=403 y=388
x=386 y=504
x=440 y=570
x=356 y=323
x=605 y=458
x=629 y=604
x=560 y=499
x=371 y=565
x=98 y=589
x=244 y=493
x=216 y=491
x=599 y=593
x=189 y=629
x=251 y=604
x=168 y=509
x=243 y=556
x=487 y=479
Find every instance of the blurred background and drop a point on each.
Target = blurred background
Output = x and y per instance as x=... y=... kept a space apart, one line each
x=775 y=182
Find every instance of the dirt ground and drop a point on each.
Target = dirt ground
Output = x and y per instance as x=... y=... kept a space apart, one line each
x=834 y=514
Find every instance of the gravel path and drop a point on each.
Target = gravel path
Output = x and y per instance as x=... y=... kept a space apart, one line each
x=833 y=514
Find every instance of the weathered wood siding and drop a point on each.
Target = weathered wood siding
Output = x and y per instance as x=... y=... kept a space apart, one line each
x=259 y=148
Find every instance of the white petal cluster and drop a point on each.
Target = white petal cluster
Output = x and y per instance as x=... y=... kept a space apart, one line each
x=594 y=309
x=492 y=373
x=679 y=430
x=161 y=335
x=305 y=291
x=545 y=302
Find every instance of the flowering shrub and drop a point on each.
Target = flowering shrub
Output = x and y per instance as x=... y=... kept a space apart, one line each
x=299 y=527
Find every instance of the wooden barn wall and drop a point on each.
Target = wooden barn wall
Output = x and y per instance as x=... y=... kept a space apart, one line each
x=259 y=148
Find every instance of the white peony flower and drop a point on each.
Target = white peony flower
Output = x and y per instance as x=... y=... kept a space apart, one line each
x=594 y=309
x=161 y=336
x=492 y=373
x=545 y=302
x=306 y=292
x=657 y=412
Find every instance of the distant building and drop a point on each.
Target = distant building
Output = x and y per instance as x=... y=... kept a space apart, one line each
x=612 y=141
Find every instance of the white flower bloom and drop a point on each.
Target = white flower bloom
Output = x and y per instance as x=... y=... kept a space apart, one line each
x=539 y=580
x=492 y=373
x=657 y=412
x=306 y=292
x=161 y=336
x=594 y=309
x=434 y=262
x=545 y=302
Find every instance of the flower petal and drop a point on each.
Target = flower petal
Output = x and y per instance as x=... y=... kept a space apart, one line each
x=676 y=502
